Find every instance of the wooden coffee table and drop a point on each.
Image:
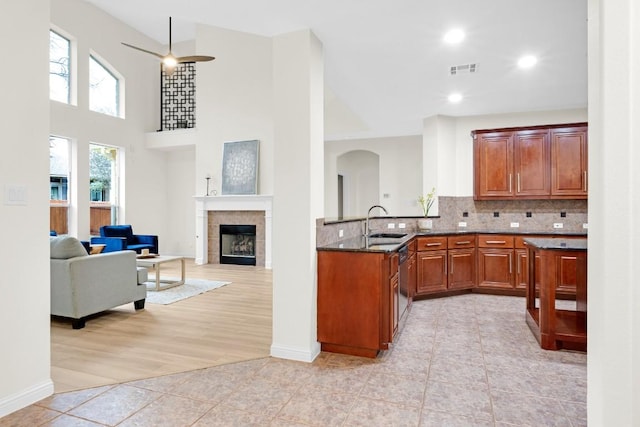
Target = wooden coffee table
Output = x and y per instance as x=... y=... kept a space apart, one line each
x=155 y=262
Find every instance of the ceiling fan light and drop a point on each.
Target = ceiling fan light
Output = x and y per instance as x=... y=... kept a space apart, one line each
x=170 y=61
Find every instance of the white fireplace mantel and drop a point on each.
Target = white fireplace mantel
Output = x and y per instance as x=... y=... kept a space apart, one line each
x=231 y=203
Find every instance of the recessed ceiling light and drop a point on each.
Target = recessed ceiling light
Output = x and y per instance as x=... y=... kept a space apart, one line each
x=455 y=98
x=454 y=36
x=527 y=61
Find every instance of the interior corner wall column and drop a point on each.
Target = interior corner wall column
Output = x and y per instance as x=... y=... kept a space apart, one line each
x=298 y=192
x=439 y=148
x=25 y=359
x=613 y=369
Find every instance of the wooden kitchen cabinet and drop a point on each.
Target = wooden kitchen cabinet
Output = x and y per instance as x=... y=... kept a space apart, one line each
x=538 y=162
x=566 y=280
x=461 y=262
x=531 y=164
x=357 y=305
x=432 y=272
x=445 y=263
x=569 y=176
x=431 y=265
x=496 y=261
x=493 y=169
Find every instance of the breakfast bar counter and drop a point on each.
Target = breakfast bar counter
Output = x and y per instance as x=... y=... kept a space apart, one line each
x=552 y=264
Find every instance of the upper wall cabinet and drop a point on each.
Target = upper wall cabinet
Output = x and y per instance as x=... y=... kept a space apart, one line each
x=539 y=162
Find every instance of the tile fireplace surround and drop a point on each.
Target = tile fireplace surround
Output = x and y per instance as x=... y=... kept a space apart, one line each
x=214 y=210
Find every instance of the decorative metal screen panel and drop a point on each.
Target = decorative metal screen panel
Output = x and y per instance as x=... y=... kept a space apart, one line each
x=178 y=97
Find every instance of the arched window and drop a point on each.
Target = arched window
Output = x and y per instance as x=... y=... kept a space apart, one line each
x=104 y=88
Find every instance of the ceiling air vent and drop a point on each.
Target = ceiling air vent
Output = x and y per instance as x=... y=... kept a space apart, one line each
x=464 y=69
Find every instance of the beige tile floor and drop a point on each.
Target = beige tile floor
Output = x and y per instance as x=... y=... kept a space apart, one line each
x=468 y=360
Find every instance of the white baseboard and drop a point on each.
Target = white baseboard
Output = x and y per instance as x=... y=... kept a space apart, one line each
x=25 y=398
x=298 y=354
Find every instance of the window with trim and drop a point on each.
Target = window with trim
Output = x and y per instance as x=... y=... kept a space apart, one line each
x=104 y=88
x=59 y=161
x=59 y=68
x=103 y=186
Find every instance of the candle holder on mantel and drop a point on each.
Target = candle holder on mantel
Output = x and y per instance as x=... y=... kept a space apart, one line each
x=208 y=178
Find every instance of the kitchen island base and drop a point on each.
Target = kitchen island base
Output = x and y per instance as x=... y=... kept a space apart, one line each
x=551 y=262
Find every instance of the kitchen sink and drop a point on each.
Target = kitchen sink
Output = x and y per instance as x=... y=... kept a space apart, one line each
x=388 y=235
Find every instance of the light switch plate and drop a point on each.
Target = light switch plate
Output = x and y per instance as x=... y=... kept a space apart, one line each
x=340 y=233
x=462 y=224
x=558 y=225
x=402 y=225
x=515 y=224
x=391 y=225
x=585 y=225
x=15 y=194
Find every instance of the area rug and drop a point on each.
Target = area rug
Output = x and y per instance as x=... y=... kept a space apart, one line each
x=191 y=287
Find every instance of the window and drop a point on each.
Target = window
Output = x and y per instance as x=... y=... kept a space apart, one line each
x=103 y=186
x=59 y=68
x=59 y=155
x=104 y=88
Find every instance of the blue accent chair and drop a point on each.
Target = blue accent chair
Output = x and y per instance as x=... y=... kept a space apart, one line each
x=121 y=237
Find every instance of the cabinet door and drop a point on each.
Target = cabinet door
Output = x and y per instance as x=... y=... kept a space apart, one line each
x=566 y=268
x=522 y=268
x=569 y=176
x=395 y=306
x=493 y=157
x=432 y=272
x=495 y=268
x=531 y=163
x=462 y=268
x=413 y=277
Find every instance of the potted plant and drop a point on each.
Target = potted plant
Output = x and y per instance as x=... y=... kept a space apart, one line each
x=426 y=202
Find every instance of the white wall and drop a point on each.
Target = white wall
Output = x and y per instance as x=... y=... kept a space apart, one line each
x=234 y=102
x=360 y=171
x=24 y=308
x=180 y=210
x=400 y=172
x=145 y=171
x=613 y=370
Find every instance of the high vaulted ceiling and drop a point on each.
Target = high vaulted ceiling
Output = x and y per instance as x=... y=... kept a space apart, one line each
x=386 y=65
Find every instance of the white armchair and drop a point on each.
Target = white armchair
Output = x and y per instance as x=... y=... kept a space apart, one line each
x=82 y=284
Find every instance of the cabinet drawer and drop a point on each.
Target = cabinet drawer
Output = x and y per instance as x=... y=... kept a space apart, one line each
x=431 y=243
x=465 y=241
x=495 y=241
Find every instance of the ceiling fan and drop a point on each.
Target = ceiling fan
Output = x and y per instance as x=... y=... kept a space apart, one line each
x=169 y=60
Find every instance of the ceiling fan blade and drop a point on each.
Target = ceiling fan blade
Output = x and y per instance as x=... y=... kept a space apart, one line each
x=195 y=58
x=144 y=50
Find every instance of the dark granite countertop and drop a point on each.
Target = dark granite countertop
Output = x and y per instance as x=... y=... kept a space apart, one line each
x=558 y=244
x=361 y=244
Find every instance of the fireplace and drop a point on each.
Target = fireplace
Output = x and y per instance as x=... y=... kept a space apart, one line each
x=237 y=244
x=213 y=211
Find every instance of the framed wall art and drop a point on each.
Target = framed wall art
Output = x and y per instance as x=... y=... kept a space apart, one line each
x=240 y=167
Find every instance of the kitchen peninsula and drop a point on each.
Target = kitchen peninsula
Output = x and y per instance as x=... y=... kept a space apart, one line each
x=360 y=280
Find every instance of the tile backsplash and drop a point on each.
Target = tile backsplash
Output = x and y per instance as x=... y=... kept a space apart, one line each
x=485 y=215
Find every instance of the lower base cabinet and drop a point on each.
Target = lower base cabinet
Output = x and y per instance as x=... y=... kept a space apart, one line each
x=357 y=301
x=462 y=269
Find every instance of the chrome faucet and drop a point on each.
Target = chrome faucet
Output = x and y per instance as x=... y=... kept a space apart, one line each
x=366 y=227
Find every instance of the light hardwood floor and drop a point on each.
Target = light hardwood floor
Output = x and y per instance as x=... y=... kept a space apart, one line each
x=228 y=324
